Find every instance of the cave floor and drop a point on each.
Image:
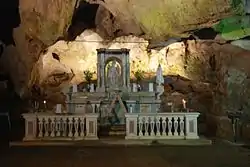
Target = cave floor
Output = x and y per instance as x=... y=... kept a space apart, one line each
x=216 y=155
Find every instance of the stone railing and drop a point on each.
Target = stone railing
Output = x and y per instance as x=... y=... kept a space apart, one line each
x=161 y=126
x=45 y=126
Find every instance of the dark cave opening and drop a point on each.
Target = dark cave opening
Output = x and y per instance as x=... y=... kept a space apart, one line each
x=205 y=33
x=83 y=18
x=10 y=101
x=10 y=19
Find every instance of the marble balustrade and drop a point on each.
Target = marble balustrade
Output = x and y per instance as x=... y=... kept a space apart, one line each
x=161 y=126
x=45 y=126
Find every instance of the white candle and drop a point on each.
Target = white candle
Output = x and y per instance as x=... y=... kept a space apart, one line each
x=134 y=87
x=58 y=108
x=130 y=109
x=151 y=87
x=74 y=88
x=92 y=87
x=171 y=106
x=184 y=103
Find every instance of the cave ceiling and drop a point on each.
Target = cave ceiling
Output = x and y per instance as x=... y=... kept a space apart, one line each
x=155 y=20
x=161 y=19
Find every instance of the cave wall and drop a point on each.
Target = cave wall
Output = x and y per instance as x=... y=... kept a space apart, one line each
x=30 y=27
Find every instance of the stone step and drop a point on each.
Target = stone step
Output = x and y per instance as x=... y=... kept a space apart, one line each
x=114 y=130
x=118 y=128
x=120 y=133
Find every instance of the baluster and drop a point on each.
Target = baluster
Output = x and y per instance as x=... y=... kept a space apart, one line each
x=81 y=120
x=58 y=126
x=158 y=126
x=40 y=126
x=76 y=126
x=152 y=125
x=170 y=126
x=181 y=126
x=46 y=126
x=52 y=126
x=164 y=125
x=146 y=125
x=70 y=126
x=140 y=126
x=176 y=126
x=64 y=126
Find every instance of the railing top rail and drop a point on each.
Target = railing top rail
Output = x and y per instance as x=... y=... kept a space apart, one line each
x=97 y=102
x=54 y=114
x=169 y=114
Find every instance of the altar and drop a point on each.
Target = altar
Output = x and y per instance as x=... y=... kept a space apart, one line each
x=114 y=106
x=114 y=95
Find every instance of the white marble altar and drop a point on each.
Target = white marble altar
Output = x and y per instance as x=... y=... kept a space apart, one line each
x=113 y=97
x=112 y=104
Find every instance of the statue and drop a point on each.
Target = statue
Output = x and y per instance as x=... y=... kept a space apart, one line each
x=159 y=76
x=159 y=81
x=113 y=74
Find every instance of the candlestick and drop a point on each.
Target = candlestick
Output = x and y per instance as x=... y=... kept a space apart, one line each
x=184 y=103
x=44 y=102
x=171 y=106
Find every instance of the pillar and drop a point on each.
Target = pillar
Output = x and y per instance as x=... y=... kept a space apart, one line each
x=30 y=126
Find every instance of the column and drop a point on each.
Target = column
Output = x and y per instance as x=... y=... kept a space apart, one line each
x=98 y=73
x=124 y=73
x=128 y=70
x=102 y=76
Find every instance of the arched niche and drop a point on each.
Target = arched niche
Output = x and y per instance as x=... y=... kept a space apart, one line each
x=118 y=66
x=121 y=57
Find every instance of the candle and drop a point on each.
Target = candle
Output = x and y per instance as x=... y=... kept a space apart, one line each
x=171 y=106
x=169 y=103
x=151 y=87
x=58 y=108
x=74 y=88
x=92 y=87
x=130 y=109
x=184 y=103
x=134 y=87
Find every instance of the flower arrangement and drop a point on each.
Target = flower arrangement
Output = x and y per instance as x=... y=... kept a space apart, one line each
x=139 y=75
x=88 y=75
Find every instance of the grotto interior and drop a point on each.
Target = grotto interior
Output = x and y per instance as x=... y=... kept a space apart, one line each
x=47 y=46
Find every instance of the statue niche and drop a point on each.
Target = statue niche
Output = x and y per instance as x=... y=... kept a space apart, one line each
x=113 y=74
x=113 y=70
